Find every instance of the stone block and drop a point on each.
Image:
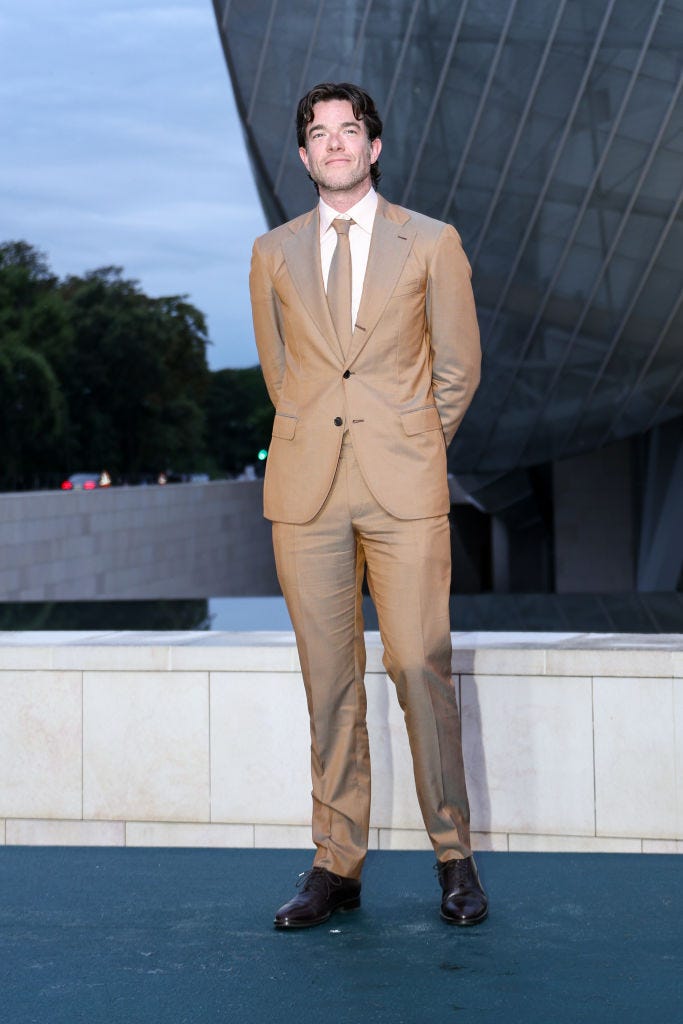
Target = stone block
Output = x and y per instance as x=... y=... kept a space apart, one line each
x=604 y=661
x=495 y=841
x=40 y=744
x=528 y=749
x=403 y=839
x=665 y=846
x=65 y=833
x=285 y=837
x=572 y=844
x=637 y=728
x=146 y=746
x=260 y=760
x=183 y=834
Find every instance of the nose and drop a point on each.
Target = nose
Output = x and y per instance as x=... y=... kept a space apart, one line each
x=334 y=141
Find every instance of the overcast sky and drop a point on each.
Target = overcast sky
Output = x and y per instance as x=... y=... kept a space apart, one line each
x=121 y=146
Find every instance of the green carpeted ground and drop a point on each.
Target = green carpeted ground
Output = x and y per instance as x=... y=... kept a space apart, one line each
x=185 y=937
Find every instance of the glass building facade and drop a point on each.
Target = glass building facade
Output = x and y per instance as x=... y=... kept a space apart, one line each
x=550 y=133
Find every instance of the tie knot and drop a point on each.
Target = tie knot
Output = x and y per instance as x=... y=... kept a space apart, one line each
x=342 y=227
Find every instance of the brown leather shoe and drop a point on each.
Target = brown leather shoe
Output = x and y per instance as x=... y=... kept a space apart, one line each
x=321 y=893
x=464 y=900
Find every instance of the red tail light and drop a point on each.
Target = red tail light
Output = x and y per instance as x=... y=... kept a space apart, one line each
x=67 y=485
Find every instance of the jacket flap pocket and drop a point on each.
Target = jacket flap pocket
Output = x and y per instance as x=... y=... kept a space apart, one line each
x=420 y=420
x=284 y=426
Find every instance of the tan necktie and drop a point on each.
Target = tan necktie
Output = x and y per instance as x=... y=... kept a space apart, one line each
x=339 y=284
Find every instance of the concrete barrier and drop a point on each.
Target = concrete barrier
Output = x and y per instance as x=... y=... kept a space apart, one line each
x=572 y=742
x=178 y=541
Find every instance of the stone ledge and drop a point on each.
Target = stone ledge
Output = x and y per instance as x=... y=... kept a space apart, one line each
x=538 y=654
x=572 y=741
x=50 y=832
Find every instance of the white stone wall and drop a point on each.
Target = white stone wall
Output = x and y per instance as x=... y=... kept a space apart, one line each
x=178 y=541
x=201 y=739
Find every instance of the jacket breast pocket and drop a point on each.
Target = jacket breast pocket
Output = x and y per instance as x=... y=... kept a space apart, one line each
x=284 y=426
x=418 y=421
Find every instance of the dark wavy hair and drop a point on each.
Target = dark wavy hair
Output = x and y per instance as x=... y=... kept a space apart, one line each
x=363 y=106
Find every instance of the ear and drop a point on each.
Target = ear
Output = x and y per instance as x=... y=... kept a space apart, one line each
x=304 y=156
x=375 y=150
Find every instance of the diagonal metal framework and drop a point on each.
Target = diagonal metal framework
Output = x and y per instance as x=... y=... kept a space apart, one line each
x=616 y=337
x=588 y=196
x=559 y=148
x=436 y=98
x=476 y=120
x=569 y=348
x=522 y=122
x=556 y=133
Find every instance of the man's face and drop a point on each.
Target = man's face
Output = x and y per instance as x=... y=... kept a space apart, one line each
x=338 y=154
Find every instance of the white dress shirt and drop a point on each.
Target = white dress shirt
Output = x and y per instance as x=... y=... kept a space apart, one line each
x=360 y=233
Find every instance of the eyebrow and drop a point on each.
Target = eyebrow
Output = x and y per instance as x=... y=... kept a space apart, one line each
x=344 y=124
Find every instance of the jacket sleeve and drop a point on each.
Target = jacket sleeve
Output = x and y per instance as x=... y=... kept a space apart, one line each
x=453 y=331
x=265 y=309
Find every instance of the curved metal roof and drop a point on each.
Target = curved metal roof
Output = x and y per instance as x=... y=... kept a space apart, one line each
x=551 y=135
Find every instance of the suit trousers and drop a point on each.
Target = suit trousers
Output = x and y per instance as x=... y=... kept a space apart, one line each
x=320 y=567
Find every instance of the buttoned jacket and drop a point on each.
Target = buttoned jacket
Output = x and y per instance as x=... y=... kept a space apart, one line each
x=402 y=388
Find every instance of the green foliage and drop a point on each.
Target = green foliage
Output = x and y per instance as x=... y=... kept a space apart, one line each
x=239 y=417
x=137 y=374
x=32 y=415
x=97 y=375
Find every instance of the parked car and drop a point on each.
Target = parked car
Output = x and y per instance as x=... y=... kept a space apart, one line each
x=86 y=481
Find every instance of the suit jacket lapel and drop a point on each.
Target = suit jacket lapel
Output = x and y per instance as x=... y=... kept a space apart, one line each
x=391 y=242
x=302 y=256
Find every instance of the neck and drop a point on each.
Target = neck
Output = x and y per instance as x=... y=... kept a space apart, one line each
x=342 y=201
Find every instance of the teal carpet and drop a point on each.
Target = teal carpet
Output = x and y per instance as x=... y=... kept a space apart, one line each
x=186 y=937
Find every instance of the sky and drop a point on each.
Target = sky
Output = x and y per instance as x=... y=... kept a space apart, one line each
x=121 y=146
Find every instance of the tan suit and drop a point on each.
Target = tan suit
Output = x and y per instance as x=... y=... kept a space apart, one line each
x=380 y=498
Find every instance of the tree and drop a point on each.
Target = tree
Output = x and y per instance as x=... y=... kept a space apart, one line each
x=239 y=418
x=138 y=377
x=33 y=412
x=32 y=416
x=96 y=374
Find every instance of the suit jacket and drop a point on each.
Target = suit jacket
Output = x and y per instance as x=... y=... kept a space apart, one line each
x=403 y=387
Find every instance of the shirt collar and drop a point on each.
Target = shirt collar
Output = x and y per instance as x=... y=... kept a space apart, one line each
x=363 y=213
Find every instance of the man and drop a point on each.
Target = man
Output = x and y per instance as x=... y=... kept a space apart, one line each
x=368 y=340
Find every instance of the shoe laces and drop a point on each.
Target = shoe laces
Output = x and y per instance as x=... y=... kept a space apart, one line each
x=456 y=869
x=318 y=880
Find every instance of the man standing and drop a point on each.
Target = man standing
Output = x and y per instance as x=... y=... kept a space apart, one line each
x=367 y=335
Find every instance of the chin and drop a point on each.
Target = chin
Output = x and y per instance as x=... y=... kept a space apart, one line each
x=340 y=184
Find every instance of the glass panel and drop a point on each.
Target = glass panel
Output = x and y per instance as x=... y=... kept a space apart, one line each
x=561 y=207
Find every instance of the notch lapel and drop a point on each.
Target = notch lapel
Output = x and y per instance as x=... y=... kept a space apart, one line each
x=389 y=247
x=302 y=256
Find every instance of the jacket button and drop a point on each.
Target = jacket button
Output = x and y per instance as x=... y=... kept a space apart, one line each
x=346 y=374
x=338 y=421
